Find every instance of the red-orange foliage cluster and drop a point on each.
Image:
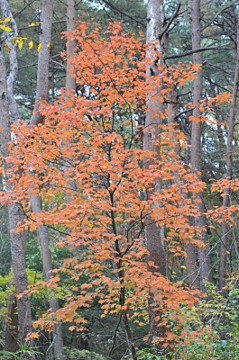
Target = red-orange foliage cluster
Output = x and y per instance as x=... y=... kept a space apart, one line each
x=93 y=139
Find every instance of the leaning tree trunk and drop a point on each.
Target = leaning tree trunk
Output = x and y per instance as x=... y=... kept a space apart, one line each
x=229 y=162
x=200 y=221
x=42 y=93
x=17 y=239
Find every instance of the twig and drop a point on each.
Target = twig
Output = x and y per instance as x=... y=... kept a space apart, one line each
x=170 y=22
x=214 y=18
x=190 y=52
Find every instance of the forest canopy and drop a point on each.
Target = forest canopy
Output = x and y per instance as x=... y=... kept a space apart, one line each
x=119 y=195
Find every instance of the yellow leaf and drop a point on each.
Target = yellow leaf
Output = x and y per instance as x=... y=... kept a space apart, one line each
x=5 y=28
x=7 y=19
x=49 y=46
x=39 y=47
x=30 y=45
x=20 y=43
x=34 y=24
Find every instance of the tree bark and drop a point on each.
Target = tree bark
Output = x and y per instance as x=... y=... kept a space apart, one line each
x=70 y=24
x=12 y=76
x=70 y=83
x=153 y=233
x=200 y=221
x=42 y=93
x=47 y=267
x=11 y=334
x=229 y=163
x=17 y=238
x=190 y=259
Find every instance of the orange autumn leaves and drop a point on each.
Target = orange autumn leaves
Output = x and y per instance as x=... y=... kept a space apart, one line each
x=93 y=139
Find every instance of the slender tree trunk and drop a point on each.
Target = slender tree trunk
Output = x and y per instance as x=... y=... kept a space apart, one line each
x=70 y=85
x=229 y=162
x=17 y=238
x=42 y=93
x=153 y=233
x=47 y=267
x=200 y=221
x=70 y=23
x=190 y=260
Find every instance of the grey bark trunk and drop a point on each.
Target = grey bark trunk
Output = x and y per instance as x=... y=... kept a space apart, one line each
x=12 y=76
x=17 y=239
x=200 y=221
x=70 y=83
x=153 y=233
x=70 y=23
x=42 y=93
x=229 y=162
x=47 y=267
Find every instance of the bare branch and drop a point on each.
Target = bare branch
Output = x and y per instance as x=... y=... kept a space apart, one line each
x=214 y=18
x=190 y=52
x=170 y=22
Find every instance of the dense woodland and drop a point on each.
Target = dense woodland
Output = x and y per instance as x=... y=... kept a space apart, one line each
x=119 y=179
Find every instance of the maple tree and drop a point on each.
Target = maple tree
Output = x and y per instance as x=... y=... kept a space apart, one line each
x=92 y=139
x=85 y=161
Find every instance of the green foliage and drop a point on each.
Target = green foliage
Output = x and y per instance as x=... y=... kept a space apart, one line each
x=149 y=354
x=216 y=320
x=21 y=354
x=75 y=354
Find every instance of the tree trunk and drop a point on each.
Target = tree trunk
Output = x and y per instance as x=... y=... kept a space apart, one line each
x=70 y=86
x=229 y=162
x=70 y=24
x=47 y=267
x=200 y=221
x=17 y=238
x=42 y=93
x=190 y=249
x=153 y=233
x=11 y=335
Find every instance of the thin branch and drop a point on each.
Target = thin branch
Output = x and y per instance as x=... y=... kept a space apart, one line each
x=170 y=22
x=214 y=18
x=190 y=52
x=114 y=335
x=20 y=11
x=184 y=112
x=123 y=13
x=37 y=25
